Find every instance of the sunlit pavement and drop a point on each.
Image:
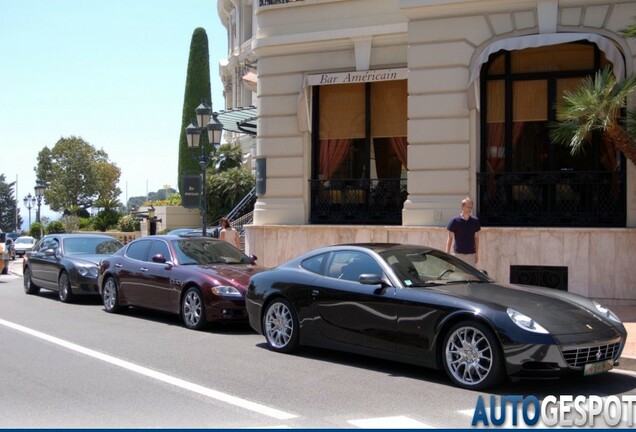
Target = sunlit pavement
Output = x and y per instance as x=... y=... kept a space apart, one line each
x=626 y=313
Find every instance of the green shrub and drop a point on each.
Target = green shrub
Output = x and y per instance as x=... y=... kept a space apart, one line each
x=55 y=227
x=36 y=230
x=127 y=223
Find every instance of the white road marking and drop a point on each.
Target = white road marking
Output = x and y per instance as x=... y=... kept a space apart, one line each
x=168 y=379
x=397 y=422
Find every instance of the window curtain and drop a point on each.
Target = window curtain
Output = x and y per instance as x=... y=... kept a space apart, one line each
x=342 y=119
x=332 y=153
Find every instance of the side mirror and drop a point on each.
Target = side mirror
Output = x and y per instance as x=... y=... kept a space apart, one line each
x=159 y=258
x=371 y=279
x=253 y=258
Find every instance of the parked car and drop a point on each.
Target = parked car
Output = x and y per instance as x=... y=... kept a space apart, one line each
x=422 y=306
x=202 y=279
x=13 y=235
x=23 y=245
x=67 y=263
x=180 y=231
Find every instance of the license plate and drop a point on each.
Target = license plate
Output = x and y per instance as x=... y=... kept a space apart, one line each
x=598 y=367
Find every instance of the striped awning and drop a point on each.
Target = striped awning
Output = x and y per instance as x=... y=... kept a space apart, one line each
x=239 y=120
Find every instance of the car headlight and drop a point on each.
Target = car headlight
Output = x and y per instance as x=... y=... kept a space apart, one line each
x=606 y=312
x=226 y=291
x=88 y=271
x=525 y=322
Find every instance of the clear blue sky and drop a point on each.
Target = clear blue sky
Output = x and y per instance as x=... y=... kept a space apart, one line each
x=110 y=71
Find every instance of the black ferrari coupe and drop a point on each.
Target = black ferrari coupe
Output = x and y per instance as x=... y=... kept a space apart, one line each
x=422 y=306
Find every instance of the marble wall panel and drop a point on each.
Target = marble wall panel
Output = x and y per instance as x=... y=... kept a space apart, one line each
x=576 y=256
x=601 y=264
x=551 y=248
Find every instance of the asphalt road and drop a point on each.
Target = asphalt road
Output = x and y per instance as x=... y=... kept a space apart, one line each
x=76 y=366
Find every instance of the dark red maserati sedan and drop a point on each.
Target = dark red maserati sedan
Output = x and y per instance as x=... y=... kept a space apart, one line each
x=202 y=279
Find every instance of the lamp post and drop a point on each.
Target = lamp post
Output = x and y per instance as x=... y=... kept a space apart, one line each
x=204 y=121
x=29 y=203
x=39 y=192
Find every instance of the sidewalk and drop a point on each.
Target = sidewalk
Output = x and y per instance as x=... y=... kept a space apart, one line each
x=627 y=314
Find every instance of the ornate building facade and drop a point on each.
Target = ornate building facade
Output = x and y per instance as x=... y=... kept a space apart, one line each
x=374 y=118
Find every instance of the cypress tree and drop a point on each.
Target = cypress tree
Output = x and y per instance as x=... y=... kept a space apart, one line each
x=197 y=90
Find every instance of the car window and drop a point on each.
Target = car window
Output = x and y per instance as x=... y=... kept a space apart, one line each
x=417 y=267
x=349 y=265
x=90 y=245
x=138 y=250
x=314 y=264
x=48 y=243
x=200 y=250
x=159 y=247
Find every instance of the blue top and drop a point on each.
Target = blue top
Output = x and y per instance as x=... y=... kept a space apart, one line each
x=464 y=231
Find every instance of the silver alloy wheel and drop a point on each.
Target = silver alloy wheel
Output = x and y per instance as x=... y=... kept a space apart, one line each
x=279 y=325
x=192 y=308
x=64 y=286
x=469 y=355
x=110 y=295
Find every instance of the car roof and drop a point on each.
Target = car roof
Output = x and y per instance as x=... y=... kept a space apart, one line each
x=88 y=235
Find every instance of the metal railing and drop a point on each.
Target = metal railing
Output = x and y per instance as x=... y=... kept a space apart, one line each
x=243 y=213
x=559 y=199
x=355 y=201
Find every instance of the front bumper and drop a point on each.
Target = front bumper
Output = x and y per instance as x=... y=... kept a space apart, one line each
x=553 y=360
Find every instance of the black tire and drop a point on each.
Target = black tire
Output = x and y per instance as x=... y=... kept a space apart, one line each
x=29 y=287
x=110 y=296
x=281 y=327
x=193 y=310
x=64 y=292
x=472 y=357
x=5 y=270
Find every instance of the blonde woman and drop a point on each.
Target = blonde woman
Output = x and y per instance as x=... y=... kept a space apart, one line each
x=228 y=233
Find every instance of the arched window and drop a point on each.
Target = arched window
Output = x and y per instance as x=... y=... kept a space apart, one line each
x=525 y=178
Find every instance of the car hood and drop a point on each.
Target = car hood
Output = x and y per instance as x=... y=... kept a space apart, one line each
x=238 y=274
x=557 y=311
x=88 y=258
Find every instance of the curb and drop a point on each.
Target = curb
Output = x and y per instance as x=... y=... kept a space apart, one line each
x=627 y=363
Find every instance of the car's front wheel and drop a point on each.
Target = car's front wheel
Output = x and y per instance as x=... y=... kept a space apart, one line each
x=472 y=357
x=193 y=309
x=280 y=326
x=64 y=288
x=29 y=286
x=110 y=296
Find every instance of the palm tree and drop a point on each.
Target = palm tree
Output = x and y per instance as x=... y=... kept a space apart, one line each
x=595 y=106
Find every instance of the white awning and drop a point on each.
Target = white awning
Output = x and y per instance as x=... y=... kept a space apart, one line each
x=239 y=120
x=608 y=47
x=612 y=53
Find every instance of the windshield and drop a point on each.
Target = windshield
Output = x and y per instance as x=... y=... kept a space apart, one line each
x=422 y=267
x=192 y=251
x=88 y=245
x=24 y=240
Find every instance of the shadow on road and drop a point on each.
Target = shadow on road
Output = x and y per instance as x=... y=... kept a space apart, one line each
x=599 y=385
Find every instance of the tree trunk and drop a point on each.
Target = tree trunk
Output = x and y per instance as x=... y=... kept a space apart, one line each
x=623 y=142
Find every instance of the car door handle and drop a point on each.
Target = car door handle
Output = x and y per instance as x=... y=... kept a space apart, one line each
x=143 y=269
x=315 y=292
x=118 y=265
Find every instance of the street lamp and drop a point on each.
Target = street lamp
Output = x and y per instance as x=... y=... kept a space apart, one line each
x=205 y=120
x=29 y=203
x=39 y=192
